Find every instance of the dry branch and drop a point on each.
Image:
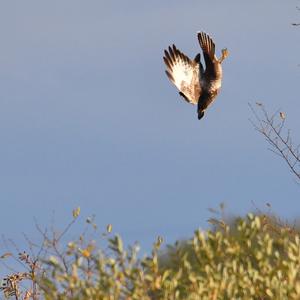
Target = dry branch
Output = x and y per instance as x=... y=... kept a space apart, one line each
x=280 y=140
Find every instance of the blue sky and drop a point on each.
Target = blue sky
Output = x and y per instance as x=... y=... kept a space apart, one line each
x=88 y=117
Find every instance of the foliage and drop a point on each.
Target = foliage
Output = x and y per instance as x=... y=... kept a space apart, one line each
x=256 y=257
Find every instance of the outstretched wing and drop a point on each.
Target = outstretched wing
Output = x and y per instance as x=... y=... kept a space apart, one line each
x=183 y=73
x=208 y=48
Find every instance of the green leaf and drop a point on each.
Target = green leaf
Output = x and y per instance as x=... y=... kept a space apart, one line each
x=109 y=228
x=76 y=212
x=5 y=255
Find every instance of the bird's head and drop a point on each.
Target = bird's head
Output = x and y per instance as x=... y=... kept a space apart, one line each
x=225 y=53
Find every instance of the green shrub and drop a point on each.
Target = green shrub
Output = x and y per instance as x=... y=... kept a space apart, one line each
x=254 y=258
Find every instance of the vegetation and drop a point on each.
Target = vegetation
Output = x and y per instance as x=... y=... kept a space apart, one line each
x=256 y=257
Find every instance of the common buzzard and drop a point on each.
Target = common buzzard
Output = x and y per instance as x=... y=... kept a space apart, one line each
x=196 y=85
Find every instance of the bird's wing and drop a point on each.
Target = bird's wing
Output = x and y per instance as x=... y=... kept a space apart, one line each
x=208 y=48
x=183 y=73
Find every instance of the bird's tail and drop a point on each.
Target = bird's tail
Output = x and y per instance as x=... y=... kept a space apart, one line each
x=207 y=44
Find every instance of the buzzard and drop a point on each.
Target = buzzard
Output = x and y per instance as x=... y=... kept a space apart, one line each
x=195 y=84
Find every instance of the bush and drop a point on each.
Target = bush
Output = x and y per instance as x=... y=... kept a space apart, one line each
x=254 y=258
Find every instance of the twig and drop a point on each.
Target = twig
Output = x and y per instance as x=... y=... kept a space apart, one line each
x=271 y=127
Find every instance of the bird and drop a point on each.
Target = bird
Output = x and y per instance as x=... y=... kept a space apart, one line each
x=196 y=85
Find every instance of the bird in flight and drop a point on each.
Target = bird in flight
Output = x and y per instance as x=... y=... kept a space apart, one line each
x=195 y=84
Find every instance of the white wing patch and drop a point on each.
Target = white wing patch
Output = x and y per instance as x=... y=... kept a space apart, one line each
x=183 y=73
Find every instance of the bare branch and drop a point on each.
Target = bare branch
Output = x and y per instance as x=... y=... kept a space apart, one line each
x=272 y=127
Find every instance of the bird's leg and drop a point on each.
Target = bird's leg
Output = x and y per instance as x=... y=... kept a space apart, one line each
x=225 y=53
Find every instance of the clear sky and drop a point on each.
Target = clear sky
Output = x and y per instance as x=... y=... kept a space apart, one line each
x=88 y=117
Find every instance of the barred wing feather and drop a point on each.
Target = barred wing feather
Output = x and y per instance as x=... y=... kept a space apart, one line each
x=183 y=73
